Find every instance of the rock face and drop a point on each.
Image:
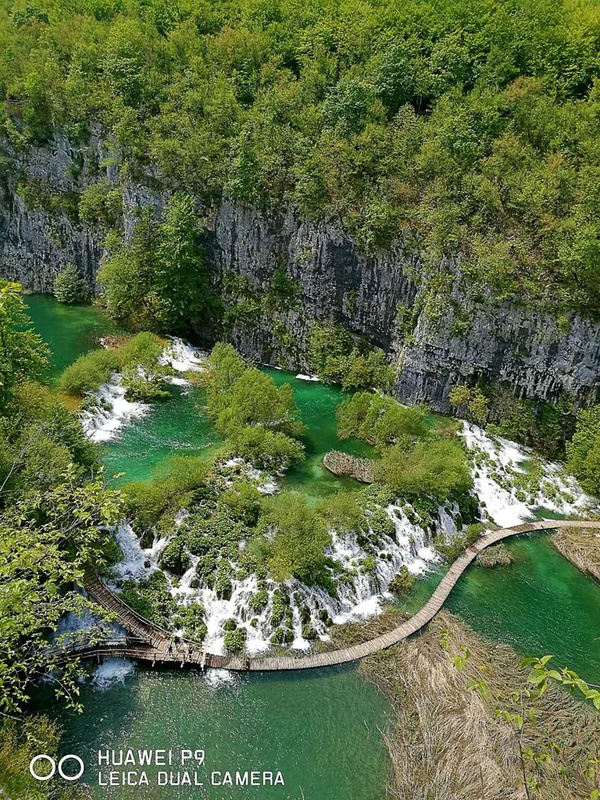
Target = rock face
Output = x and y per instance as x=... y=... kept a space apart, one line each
x=435 y=342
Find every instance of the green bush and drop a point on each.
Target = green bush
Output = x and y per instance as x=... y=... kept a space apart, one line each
x=242 y=502
x=299 y=541
x=172 y=489
x=259 y=600
x=139 y=389
x=101 y=203
x=260 y=420
x=583 y=451
x=235 y=641
x=89 y=372
x=39 y=439
x=282 y=636
x=174 y=557
x=402 y=582
x=143 y=350
x=70 y=286
x=191 y=619
x=151 y=598
x=379 y=420
x=266 y=449
x=338 y=357
x=435 y=467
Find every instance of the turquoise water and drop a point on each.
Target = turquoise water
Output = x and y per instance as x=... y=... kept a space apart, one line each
x=321 y=730
x=70 y=331
x=541 y=604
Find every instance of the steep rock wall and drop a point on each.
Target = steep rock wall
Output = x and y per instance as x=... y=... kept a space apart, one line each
x=332 y=279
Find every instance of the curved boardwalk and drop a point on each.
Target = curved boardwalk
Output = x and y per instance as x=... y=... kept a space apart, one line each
x=151 y=643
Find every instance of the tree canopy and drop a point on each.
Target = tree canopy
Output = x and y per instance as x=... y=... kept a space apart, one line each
x=469 y=126
x=23 y=355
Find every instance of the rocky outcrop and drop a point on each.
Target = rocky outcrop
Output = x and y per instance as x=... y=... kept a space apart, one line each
x=504 y=344
x=435 y=341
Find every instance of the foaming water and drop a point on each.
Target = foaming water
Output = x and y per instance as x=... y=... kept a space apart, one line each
x=111 y=411
x=111 y=671
x=508 y=488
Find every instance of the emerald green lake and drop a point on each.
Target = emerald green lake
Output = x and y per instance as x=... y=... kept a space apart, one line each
x=322 y=729
x=69 y=331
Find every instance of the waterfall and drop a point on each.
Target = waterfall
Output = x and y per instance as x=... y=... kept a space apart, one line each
x=108 y=410
x=506 y=487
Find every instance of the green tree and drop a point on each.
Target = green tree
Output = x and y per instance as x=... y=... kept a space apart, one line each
x=181 y=278
x=127 y=277
x=70 y=286
x=436 y=468
x=46 y=543
x=23 y=355
x=300 y=536
x=379 y=420
x=583 y=451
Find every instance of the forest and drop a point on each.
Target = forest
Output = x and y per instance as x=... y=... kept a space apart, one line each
x=470 y=127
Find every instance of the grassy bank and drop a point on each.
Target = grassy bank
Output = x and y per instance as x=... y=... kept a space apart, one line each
x=447 y=738
x=582 y=547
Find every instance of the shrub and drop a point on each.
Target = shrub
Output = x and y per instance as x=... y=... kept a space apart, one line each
x=472 y=401
x=260 y=419
x=144 y=349
x=379 y=420
x=142 y=390
x=70 y=286
x=100 y=202
x=282 y=636
x=88 y=373
x=242 y=502
x=343 y=511
x=259 y=600
x=308 y=632
x=235 y=641
x=436 y=468
x=150 y=598
x=191 y=619
x=174 y=557
x=171 y=490
x=338 y=357
x=300 y=537
x=402 y=582
x=583 y=451
x=266 y=449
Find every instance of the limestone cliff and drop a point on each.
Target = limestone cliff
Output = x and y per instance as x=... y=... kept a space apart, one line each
x=436 y=338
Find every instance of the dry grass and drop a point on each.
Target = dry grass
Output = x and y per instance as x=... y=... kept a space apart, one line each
x=497 y=556
x=445 y=742
x=581 y=546
x=359 y=632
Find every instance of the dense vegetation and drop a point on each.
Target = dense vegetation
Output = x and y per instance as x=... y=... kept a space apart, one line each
x=583 y=450
x=260 y=420
x=159 y=281
x=471 y=126
x=137 y=360
x=54 y=513
x=414 y=459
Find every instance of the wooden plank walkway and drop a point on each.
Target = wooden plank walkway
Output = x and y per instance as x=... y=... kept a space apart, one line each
x=155 y=644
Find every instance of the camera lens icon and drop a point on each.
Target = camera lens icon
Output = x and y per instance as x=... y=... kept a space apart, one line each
x=46 y=776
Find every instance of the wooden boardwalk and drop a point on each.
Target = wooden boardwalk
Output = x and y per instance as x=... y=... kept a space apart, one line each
x=151 y=643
